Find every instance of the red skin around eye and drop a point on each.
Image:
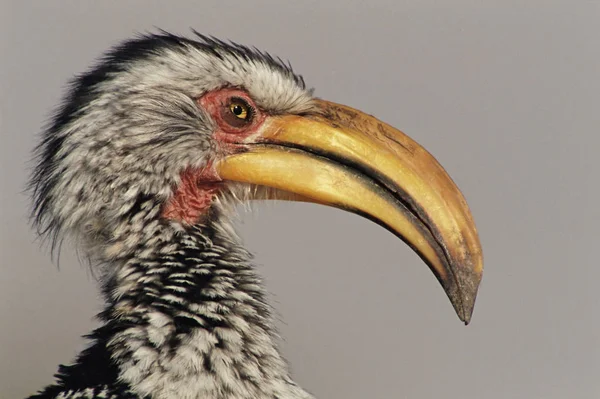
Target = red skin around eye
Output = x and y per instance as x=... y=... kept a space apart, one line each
x=225 y=133
x=197 y=189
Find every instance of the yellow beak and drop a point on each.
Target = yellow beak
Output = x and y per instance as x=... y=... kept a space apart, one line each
x=341 y=157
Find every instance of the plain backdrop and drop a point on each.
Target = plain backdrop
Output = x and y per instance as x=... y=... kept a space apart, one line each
x=506 y=94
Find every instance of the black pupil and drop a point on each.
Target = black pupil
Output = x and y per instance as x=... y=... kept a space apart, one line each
x=238 y=110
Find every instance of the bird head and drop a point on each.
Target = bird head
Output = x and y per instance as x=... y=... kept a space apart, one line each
x=167 y=131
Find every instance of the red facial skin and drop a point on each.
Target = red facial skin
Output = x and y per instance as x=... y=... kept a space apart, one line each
x=193 y=196
x=213 y=102
x=198 y=187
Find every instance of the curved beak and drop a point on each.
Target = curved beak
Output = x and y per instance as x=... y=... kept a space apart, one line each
x=341 y=157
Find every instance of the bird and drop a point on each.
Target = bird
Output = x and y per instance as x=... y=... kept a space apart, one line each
x=141 y=168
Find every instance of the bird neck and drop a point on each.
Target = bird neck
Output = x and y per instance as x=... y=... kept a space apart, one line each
x=186 y=318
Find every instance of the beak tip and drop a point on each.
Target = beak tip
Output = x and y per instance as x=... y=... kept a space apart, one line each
x=463 y=292
x=467 y=313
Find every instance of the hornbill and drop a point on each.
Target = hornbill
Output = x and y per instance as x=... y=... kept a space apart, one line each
x=144 y=163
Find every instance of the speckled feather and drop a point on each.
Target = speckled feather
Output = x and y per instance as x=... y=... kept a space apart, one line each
x=185 y=318
x=185 y=315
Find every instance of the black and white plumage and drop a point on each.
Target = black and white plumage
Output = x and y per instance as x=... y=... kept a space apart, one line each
x=131 y=170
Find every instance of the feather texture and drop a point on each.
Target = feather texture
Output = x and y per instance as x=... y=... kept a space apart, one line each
x=185 y=315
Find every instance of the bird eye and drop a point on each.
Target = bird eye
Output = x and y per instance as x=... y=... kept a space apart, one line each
x=239 y=110
x=237 y=113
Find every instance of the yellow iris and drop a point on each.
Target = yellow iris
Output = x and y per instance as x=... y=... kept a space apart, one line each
x=240 y=110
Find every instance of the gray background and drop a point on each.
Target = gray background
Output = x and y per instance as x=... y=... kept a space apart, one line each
x=506 y=94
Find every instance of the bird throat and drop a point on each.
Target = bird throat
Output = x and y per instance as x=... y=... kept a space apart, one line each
x=192 y=197
x=187 y=319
